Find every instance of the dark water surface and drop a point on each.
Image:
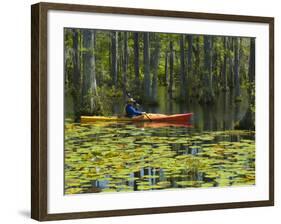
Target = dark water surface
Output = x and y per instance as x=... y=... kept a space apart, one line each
x=114 y=157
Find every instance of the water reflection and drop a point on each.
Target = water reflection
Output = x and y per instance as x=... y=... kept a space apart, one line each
x=223 y=115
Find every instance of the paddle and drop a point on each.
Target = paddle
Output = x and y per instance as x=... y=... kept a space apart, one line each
x=129 y=95
x=147 y=116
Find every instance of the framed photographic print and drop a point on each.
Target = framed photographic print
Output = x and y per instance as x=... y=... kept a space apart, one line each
x=139 y=111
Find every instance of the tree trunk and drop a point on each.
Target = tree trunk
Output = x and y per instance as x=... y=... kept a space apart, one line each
x=224 y=75
x=182 y=69
x=146 y=62
x=211 y=66
x=171 y=79
x=90 y=101
x=125 y=63
x=86 y=67
x=189 y=53
x=76 y=77
x=109 y=53
x=230 y=62
x=236 y=68
x=251 y=72
x=188 y=66
x=136 y=59
x=166 y=68
x=207 y=60
x=65 y=56
x=215 y=64
x=156 y=55
x=208 y=95
x=93 y=79
x=248 y=121
x=114 y=57
x=197 y=63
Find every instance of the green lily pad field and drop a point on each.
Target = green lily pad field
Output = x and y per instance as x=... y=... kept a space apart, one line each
x=124 y=157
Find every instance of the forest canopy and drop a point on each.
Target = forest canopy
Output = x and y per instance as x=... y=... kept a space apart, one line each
x=103 y=65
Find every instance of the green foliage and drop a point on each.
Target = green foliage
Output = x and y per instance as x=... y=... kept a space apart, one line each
x=112 y=92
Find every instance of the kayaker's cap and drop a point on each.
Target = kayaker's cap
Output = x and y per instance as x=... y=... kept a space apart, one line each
x=131 y=100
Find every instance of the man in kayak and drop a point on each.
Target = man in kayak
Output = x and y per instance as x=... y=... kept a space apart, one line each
x=131 y=110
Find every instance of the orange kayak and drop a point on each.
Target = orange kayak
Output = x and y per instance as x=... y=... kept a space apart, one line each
x=175 y=118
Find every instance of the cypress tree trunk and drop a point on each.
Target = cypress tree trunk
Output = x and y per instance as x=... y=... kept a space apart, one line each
x=125 y=63
x=208 y=95
x=166 y=68
x=215 y=55
x=182 y=69
x=224 y=75
x=90 y=100
x=93 y=80
x=81 y=59
x=211 y=67
x=236 y=68
x=86 y=66
x=197 y=56
x=109 y=37
x=136 y=59
x=207 y=60
x=114 y=57
x=76 y=77
x=171 y=79
x=248 y=121
x=65 y=56
x=189 y=61
x=230 y=62
x=252 y=59
x=156 y=55
x=146 y=62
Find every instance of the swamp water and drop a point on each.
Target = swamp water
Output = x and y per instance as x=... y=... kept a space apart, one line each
x=128 y=157
x=116 y=157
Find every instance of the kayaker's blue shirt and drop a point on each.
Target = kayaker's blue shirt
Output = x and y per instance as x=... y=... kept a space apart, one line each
x=131 y=111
